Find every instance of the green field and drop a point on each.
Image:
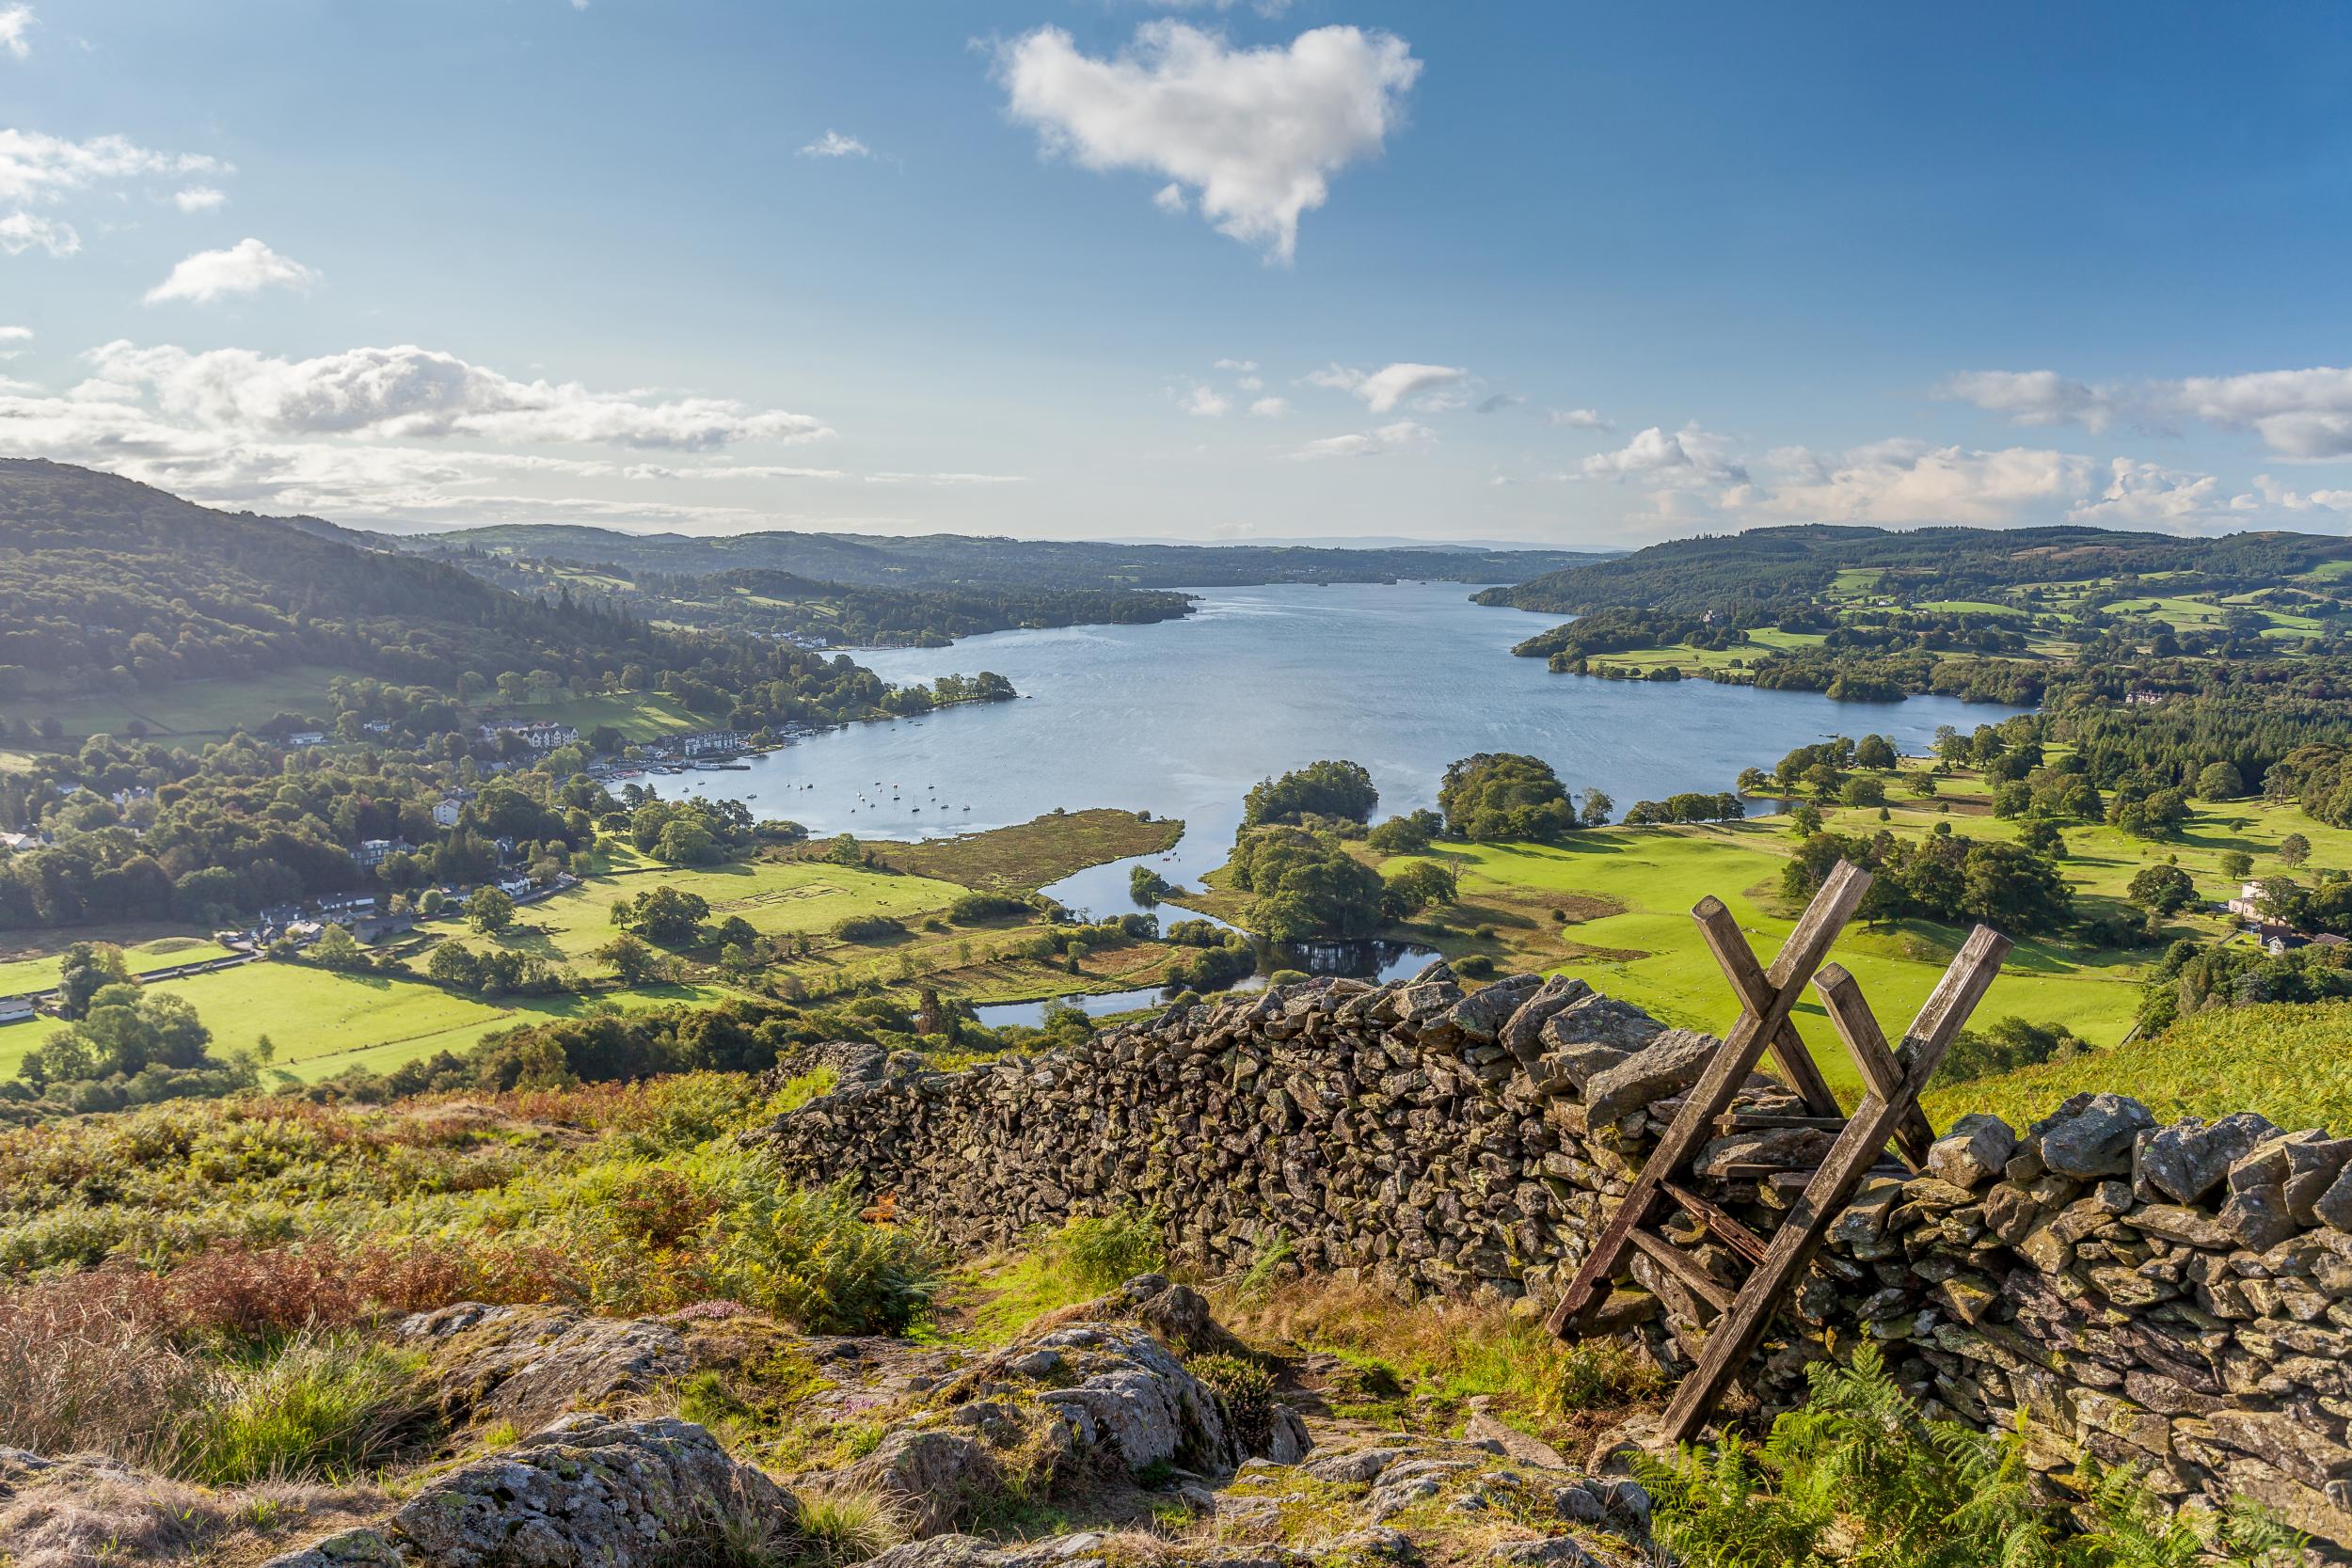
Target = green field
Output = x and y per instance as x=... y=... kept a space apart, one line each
x=637 y=715
x=187 y=708
x=780 y=897
x=1645 y=950
x=39 y=972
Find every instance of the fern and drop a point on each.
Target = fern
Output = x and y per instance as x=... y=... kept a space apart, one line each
x=1861 y=1477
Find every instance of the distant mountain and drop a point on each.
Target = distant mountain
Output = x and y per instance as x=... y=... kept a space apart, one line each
x=1688 y=575
x=107 y=583
x=954 y=560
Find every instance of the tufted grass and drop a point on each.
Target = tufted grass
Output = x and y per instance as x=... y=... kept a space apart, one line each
x=1089 y=1255
x=329 y=1406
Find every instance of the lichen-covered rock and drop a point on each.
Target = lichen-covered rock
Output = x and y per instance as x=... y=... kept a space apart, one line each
x=1975 y=1151
x=1664 y=1068
x=588 y=1492
x=2093 y=1135
x=2188 y=1159
x=1130 y=1400
x=937 y=1480
x=529 y=1365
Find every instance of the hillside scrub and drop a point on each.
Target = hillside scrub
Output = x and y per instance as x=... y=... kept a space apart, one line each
x=246 y=1219
x=1858 y=1474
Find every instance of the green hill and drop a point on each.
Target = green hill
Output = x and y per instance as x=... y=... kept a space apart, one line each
x=107 y=585
x=1688 y=575
x=2285 y=1060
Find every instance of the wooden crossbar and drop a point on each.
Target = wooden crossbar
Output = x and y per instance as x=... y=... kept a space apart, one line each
x=1758 y=1027
x=1883 y=1112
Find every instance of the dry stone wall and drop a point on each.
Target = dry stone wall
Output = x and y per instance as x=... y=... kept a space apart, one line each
x=2175 y=1297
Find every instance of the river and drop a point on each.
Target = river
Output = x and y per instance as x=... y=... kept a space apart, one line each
x=1181 y=718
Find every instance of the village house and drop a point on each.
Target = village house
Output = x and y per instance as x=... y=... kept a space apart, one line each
x=2247 y=904
x=21 y=841
x=373 y=852
x=342 y=908
x=449 y=807
x=15 y=1009
x=540 y=735
x=307 y=738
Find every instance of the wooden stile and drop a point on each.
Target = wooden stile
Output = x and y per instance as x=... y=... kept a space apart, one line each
x=1889 y=1110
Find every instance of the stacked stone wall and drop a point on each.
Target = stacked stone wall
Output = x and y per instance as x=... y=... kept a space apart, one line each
x=2179 y=1298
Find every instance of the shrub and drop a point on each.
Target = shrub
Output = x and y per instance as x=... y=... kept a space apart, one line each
x=974 y=907
x=869 y=927
x=1245 y=1390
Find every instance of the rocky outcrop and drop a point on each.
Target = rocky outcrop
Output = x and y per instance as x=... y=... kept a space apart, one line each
x=587 y=1491
x=528 y=1365
x=2178 y=1298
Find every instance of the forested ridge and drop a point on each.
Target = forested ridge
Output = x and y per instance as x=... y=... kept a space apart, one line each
x=106 y=584
x=1799 y=563
x=768 y=603
x=951 y=560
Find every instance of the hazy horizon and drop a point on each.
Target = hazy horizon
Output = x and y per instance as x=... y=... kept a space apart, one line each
x=1299 y=270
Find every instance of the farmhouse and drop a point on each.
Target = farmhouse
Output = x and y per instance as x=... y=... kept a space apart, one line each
x=540 y=735
x=15 y=1009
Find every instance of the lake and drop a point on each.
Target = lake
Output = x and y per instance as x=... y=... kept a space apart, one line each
x=1181 y=718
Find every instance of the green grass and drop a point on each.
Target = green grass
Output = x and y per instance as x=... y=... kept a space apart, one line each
x=780 y=897
x=315 y=1407
x=1968 y=607
x=1650 y=955
x=187 y=708
x=2285 y=1060
x=638 y=715
x=1035 y=853
x=39 y=972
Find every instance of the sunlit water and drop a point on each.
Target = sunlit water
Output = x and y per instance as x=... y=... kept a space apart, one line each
x=1180 y=719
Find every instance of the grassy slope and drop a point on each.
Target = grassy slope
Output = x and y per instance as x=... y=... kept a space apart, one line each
x=1650 y=955
x=37 y=969
x=2286 y=1061
x=1628 y=893
x=189 y=707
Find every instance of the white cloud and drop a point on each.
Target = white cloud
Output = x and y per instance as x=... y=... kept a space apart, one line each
x=2142 y=494
x=16 y=21
x=21 y=231
x=198 y=198
x=1244 y=366
x=246 y=267
x=1401 y=436
x=1428 y=386
x=1170 y=198
x=407 y=392
x=38 y=167
x=1270 y=408
x=833 y=144
x=1577 y=418
x=2274 y=494
x=1206 y=401
x=1257 y=133
x=1263 y=7
x=1690 y=456
x=360 y=436
x=12 y=340
x=2033 y=397
x=1907 y=481
x=2299 y=414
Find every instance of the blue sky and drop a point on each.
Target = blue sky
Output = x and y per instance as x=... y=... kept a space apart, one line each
x=1564 y=273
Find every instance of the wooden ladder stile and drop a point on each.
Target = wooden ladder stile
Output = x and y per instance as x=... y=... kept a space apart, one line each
x=1888 y=1112
x=1757 y=1027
